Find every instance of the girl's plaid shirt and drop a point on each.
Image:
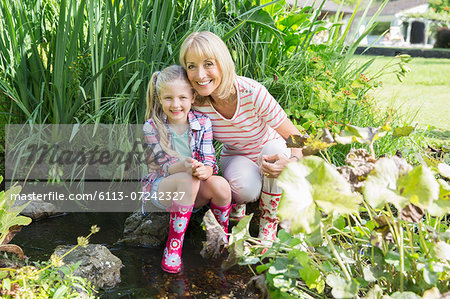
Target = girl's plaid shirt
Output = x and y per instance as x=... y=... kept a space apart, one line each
x=200 y=140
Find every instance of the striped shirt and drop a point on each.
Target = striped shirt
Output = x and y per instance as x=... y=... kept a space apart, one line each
x=253 y=124
x=200 y=141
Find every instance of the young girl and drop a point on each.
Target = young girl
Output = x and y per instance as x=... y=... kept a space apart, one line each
x=181 y=159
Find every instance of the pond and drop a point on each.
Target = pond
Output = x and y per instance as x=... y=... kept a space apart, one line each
x=141 y=275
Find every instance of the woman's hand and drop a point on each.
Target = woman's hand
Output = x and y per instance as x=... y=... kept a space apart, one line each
x=273 y=165
x=201 y=171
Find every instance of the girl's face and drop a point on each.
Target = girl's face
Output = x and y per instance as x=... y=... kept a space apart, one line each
x=176 y=98
x=204 y=73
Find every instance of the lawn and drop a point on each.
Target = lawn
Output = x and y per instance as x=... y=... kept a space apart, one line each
x=424 y=96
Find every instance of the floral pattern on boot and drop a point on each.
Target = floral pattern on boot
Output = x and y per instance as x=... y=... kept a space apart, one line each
x=237 y=211
x=179 y=219
x=268 y=223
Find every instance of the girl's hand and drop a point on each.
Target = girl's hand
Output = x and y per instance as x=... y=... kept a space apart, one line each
x=200 y=171
x=188 y=164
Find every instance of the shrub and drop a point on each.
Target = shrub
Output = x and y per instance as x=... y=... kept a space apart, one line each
x=390 y=237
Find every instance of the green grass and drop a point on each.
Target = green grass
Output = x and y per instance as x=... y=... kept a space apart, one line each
x=424 y=96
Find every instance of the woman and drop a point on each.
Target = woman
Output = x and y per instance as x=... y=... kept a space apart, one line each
x=248 y=121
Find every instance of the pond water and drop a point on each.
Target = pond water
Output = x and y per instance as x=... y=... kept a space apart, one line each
x=141 y=275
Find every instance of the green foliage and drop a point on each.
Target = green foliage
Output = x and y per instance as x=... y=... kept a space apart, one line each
x=380 y=28
x=50 y=279
x=395 y=241
x=440 y=5
x=48 y=283
x=366 y=135
x=346 y=2
x=9 y=214
x=323 y=188
x=84 y=61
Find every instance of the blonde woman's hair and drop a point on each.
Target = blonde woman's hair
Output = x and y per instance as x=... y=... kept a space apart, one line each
x=209 y=45
x=154 y=108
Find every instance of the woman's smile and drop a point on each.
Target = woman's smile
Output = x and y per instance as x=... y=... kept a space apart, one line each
x=204 y=82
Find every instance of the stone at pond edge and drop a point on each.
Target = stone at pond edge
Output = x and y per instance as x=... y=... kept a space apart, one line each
x=98 y=264
x=146 y=230
x=38 y=209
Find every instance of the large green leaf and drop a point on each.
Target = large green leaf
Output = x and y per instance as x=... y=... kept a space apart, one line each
x=313 y=181
x=405 y=295
x=388 y=184
x=381 y=185
x=9 y=213
x=419 y=186
x=330 y=191
x=6 y=198
x=402 y=131
x=362 y=135
x=235 y=253
x=296 y=208
x=310 y=275
x=442 y=250
x=444 y=170
x=342 y=288
x=241 y=230
x=441 y=207
x=16 y=220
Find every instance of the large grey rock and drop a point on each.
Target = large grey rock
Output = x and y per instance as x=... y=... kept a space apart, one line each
x=151 y=229
x=98 y=264
x=38 y=209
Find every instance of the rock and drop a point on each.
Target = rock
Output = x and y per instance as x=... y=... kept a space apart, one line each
x=98 y=264
x=151 y=229
x=38 y=209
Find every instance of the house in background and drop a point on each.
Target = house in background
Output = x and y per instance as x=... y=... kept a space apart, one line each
x=330 y=8
x=328 y=12
x=404 y=30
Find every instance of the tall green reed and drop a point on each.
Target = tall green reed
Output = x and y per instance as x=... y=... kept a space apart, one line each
x=124 y=42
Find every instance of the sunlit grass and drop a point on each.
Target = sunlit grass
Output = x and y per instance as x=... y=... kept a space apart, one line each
x=424 y=96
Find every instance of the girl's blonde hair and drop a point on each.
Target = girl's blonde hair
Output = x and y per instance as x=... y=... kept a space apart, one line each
x=209 y=45
x=154 y=108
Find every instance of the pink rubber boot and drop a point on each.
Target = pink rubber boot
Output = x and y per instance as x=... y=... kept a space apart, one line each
x=222 y=214
x=179 y=219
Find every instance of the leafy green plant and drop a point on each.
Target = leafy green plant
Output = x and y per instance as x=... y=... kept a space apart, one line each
x=10 y=220
x=50 y=279
x=440 y=5
x=391 y=239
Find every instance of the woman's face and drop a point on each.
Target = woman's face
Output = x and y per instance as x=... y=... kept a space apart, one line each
x=204 y=73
